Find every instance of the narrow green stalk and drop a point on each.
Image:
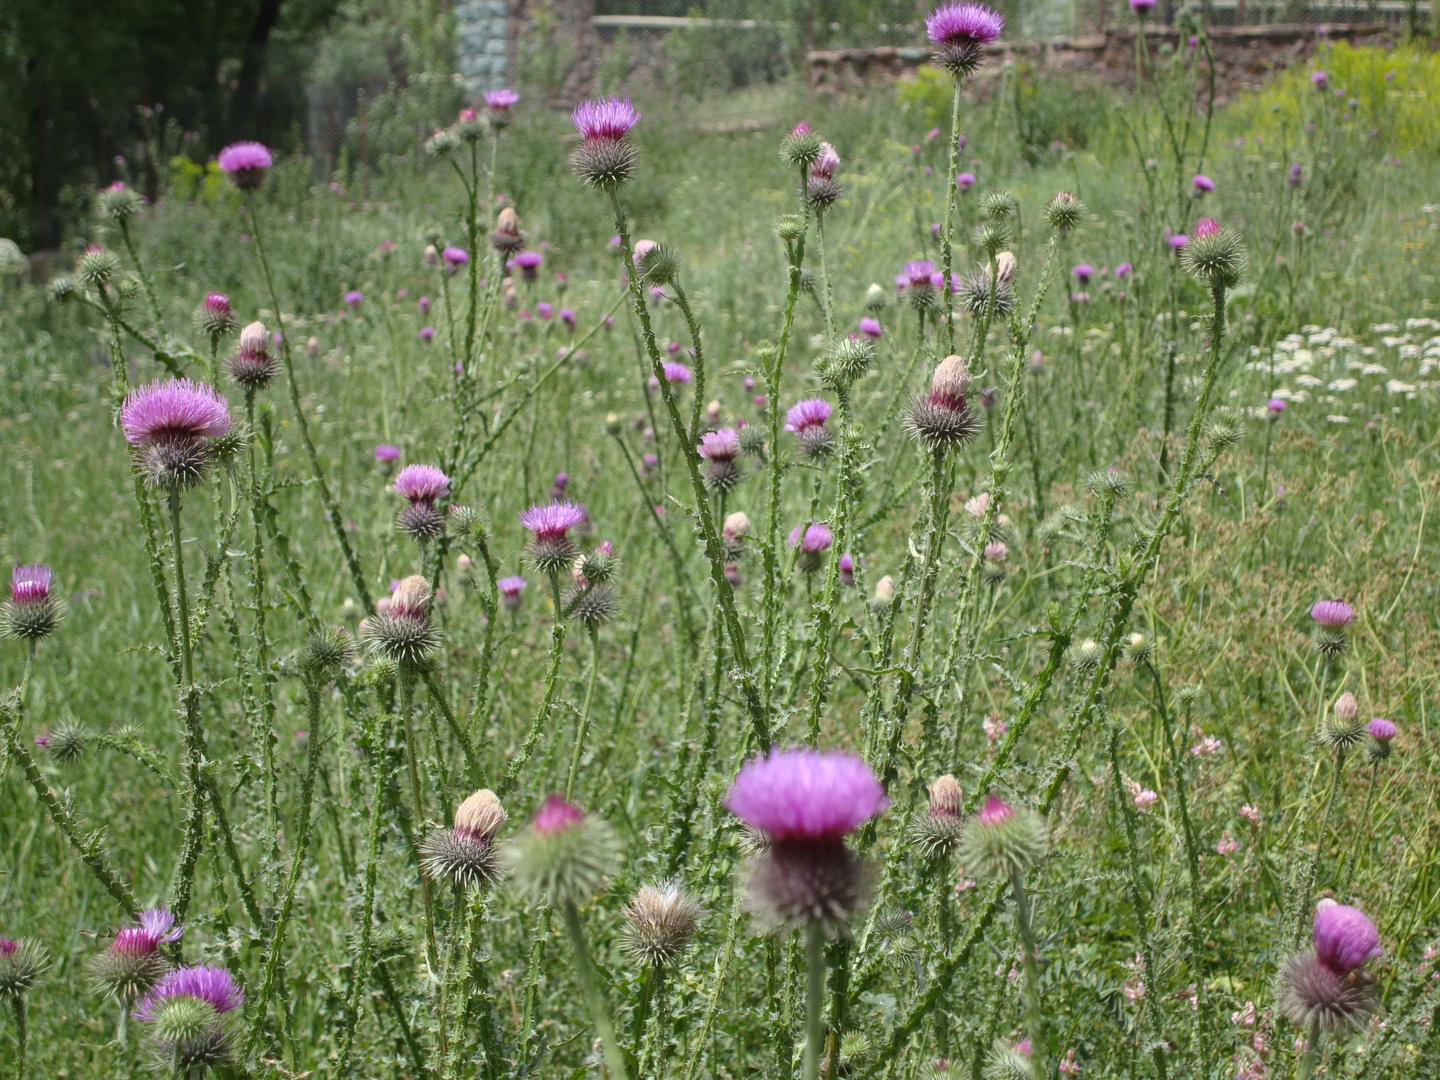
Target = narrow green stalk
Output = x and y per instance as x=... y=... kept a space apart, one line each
x=814 y=998
x=584 y=721
x=594 y=995
x=846 y=489
x=473 y=770
x=417 y=807
x=360 y=975
x=17 y=1003
x=1311 y=1057
x=826 y=304
x=948 y=236
x=265 y=720
x=1034 y=1015
x=542 y=714
x=723 y=963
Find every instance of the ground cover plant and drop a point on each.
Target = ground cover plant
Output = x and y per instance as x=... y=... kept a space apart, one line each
x=647 y=596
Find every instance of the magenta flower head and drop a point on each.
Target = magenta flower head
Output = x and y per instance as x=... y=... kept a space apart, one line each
x=813 y=541
x=943 y=420
x=31 y=613
x=805 y=802
x=132 y=965
x=807 y=420
x=567 y=316
x=385 y=453
x=551 y=550
x=353 y=298
x=1141 y=7
x=1318 y=80
x=604 y=159
x=720 y=449
x=1205 y=226
x=529 y=264
x=1381 y=729
x=870 y=327
x=1123 y=271
x=565 y=855
x=427 y=334
x=965 y=181
x=676 y=373
x=1333 y=614
x=208 y=983
x=454 y=258
x=500 y=102
x=214 y=317
x=1274 y=407
x=421 y=485
x=919 y=274
x=959 y=32
x=1344 y=937
x=1176 y=241
x=510 y=590
x=245 y=164
x=1002 y=840
x=1203 y=184
x=171 y=424
x=847 y=571
x=1083 y=273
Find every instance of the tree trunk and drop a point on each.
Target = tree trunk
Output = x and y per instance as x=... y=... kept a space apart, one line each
x=247 y=90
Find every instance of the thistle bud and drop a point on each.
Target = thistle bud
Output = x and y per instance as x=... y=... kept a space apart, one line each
x=1088 y=655
x=1001 y=841
x=327 y=652
x=801 y=148
x=1005 y=265
x=251 y=365
x=998 y=205
x=402 y=632
x=1137 y=648
x=660 y=923
x=790 y=227
x=214 y=317
x=884 y=594
x=939 y=830
x=876 y=298
x=942 y=420
x=1342 y=729
x=1215 y=255
x=466 y=855
x=118 y=202
x=847 y=362
x=565 y=855
x=21 y=965
x=1063 y=212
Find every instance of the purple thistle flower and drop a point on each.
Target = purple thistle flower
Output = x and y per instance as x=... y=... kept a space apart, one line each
x=870 y=327
x=384 y=452
x=1141 y=7
x=157 y=926
x=1333 y=614
x=606 y=120
x=1203 y=184
x=1177 y=241
x=918 y=273
x=847 y=571
x=811 y=539
x=455 y=256
x=676 y=373
x=173 y=409
x=802 y=128
x=812 y=412
x=427 y=333
x=1275 y=406
x=1205 y=226
x=965 y=181
x=551 y=521
x=1344 y=937
x=500 y=101
x=1123 y=270
x=510 y=590
x=353 y=298
x=567 y=316
x=1084 y=272
x=555 y=816
x=825 y=165
x=1318 y=79
x=958 y=23
x=1381 y=729
x=207 y=983
x=544 y=310
x=806 y=795
x=244 y=164
x=422 y=483
x=722 y=445
x=30 y=584
x=529 y=264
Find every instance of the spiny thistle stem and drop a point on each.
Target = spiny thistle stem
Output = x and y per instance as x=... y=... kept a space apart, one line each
x=266 y=732
x=814 y=999
x=594 y=995
x=1034 y=1015
x=17 y=1005
x=417 y=805
x=542 y=715
x=584 y=721
x=948 y=236
x=332 y=509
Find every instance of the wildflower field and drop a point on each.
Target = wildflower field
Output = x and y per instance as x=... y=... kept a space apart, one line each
x=905 y=588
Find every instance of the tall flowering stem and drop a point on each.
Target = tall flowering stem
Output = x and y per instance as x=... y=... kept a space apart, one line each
x=332 y=508
x=547 y=701
x=713 y=551
x=951 y=189
x=814 y=999
x=594 y=995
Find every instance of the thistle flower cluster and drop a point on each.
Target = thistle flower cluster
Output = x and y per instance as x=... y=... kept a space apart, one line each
x=1328 y=984
x=465 y=855
x=32 y=612
x=191 y=1017
x=960 y=32
x=421 y=486
x=942 y=420
x=592 y=599
x=804 y=803
x=173 y=426
x=564 y=857
x=403 y=632
x=604 y=159
x=133 y=964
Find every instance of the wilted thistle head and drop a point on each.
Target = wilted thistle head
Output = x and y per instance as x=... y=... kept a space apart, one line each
x=1063 y=212
x=245 y=164
x=938 y=831
x=822 y=190
x=21 y=965
x=975 y=294
x=660 y=923
x=941 y=419
x=403 y=632
x=507 y=237
x=959 y=32
x=214 y=317
x=1342 y=728
x=806 y=802
x=251 y=365
x=465 y=855
x=132 y=965
x=848 y=361
x=1215 y=254
x=32 y=612
x=118 y=202
x=551 y=550
x=604 y=159
x=801 y=148
x=565 y=855
x=1001 y=840
x=173 y=425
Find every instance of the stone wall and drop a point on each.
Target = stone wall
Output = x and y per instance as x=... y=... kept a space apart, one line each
x=482 y=37
x=1244 y=56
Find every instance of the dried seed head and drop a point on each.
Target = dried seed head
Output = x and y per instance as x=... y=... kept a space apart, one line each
x=1005 y=266
x=660 y=923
